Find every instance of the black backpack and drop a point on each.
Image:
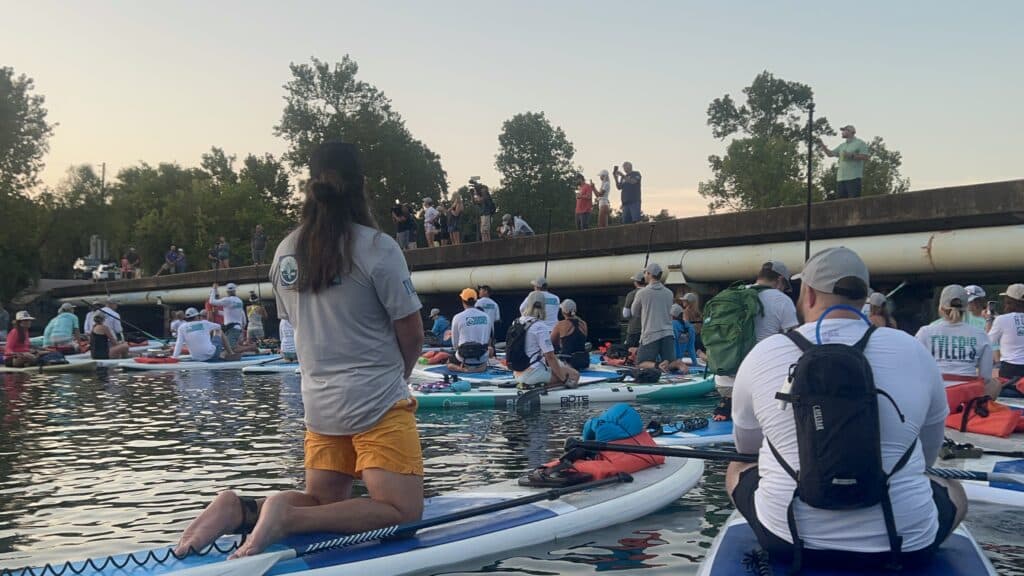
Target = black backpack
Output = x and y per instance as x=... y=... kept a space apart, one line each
x=515 y=346
x=835 y=404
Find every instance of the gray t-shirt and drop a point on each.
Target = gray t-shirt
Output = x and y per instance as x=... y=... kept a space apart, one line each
x=633 y=326
x=352 y=368
x=653 y=305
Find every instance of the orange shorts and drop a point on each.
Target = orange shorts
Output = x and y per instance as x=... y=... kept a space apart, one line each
x=393 y=444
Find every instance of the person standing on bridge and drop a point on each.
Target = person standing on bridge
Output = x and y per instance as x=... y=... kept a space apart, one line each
x=852 y=153
x=628 y=181
x=584 y=203
x=604 y=199
x=259 y=245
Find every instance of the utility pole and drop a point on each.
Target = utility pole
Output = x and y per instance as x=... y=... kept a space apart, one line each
x=810 y=179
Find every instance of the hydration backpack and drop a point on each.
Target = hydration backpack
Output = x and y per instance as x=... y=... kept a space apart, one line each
x=832 y=391
x=515 y=346
x=728 y=332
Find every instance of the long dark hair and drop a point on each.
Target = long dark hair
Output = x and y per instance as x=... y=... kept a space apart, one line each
x=335 y=202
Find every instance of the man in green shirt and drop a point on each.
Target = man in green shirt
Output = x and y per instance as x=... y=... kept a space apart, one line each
x=852 y=153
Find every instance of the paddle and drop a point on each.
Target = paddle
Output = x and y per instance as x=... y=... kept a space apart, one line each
x=129 y=324
x=261 y=563
x=269 y=360
x=953 y=473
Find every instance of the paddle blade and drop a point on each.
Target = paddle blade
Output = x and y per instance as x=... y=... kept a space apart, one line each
x=248 y=566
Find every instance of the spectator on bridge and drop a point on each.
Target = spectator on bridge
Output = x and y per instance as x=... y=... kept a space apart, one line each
x=520 y=227
x=131 y=264
x=852 y=153
x=211 y=256
x=628 y=181
x=505 y=229
x=604 y=199
x=584 y=203
x=223 y=253
x=482 y=198
x=442 y=225
x=259 y=245
x=454 y=220
x=430 y=215
x=170 y=264
x=182 y=264
x=400 y=217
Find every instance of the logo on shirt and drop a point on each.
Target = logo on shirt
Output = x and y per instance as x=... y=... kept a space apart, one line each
x=288 y=269
x=477 y=321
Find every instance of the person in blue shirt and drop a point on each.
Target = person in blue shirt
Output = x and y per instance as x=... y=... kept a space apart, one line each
x=441 y=327
x=685 y=337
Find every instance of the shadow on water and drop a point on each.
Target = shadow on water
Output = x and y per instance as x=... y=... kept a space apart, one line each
x=118 y=461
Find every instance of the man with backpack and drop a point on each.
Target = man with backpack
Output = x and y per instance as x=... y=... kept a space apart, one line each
x=529 y=351
x=845 y=417
x=740 y=317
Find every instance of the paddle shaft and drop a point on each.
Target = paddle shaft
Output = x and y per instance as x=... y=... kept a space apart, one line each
x=123 y=321
x=952 y=473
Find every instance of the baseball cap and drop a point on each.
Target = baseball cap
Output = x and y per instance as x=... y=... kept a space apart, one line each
x=654 y=269
x=1015 y=291
x=539 y=282
x=428 y=201
x=974 y=292
x=231 y=286
x=67 y=307
x=191 y=313
x=850 y=128
x=638 y=277
x=777 y=267
x=877 y=299
x=23 y=315
x=568 y=306
x=435 y=312
x=113 y=300
x=690 y=297
x=467 y=294
x=953 y=296
x=675 y=310
x=828 y=267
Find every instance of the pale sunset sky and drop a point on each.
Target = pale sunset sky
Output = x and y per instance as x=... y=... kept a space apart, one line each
x=151 y=81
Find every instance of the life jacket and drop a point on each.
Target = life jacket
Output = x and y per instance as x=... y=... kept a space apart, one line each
x=971 y=410
x=834 y=401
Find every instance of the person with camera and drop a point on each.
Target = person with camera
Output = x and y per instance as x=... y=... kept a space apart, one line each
x=482 y=198
x=454 y=218
x=584 y=203
x=628 y=181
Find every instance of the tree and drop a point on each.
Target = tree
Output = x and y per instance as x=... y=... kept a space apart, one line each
x=537 y=173
x=270 y=178
x=24 y=133
x=765 y=166
x=324 y=102
x=881 y=173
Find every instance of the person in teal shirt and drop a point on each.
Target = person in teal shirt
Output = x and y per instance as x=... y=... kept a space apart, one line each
x=62 y=330
x=685 y=335
x=440 y=327
x=852 y=153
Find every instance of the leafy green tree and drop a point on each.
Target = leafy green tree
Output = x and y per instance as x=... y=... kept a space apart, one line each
x=24 y=133
x=270 y=178
x=764 y=165
x=881 y=173
x=535 y=159
x=73 y=211
x=324 y=101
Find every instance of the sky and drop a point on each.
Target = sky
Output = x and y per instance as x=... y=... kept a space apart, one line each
x=134 y=81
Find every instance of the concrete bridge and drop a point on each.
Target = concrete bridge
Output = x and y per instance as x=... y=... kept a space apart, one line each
x=964 y=233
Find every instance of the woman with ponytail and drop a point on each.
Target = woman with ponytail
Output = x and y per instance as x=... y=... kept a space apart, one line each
x=961 y=350
x=345 y=288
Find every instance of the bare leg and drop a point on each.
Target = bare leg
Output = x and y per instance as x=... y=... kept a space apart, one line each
x=394 y=499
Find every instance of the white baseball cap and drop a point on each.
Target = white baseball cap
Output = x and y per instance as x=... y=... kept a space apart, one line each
x=876 y=299
x=23 y=315
x=974 y=292
x=1015 y=291
x=191 y=313
x=435 y=312
x=231 y=286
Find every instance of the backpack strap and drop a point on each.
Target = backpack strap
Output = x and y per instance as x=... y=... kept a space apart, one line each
x=863 y=342
x=797 y=338
x=895 y=540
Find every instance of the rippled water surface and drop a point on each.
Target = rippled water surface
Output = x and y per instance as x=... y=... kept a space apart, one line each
x=120 y=461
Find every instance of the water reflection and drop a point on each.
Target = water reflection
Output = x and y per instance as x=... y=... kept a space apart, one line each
x=117 y=461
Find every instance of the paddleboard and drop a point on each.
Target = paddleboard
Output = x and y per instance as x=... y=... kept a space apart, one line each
x=209 y=365
x=959 y=555
x=503 y=398
x=714 y=433
x=71 y=367
x=277 y=367
x=432 y=548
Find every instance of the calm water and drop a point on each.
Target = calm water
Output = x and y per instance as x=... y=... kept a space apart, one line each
x=119 y=461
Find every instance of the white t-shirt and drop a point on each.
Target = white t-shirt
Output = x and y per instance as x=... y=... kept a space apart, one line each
x=174 y=326
x=1008 y=333
x=430 y=217
x=551 y=303
x=520 y=227
x=959 y=349
x=538 y=340
x=471 y=325
x=113 y=319
x=779 y=314
x=353 y=370
x=491 y=308
x=197 y=336
x=287 y=334
x=606 y=191
x=904 y=370
x=233 y=309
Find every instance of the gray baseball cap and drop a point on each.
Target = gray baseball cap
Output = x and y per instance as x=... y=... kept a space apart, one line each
x=638 y=277
x=877 y=299
x=690 y=297
x=777 y=267
x=539 y=282
x=826 y=268
x=654 y=269
x=953 y=296
x=568 y=306
x=675 y=311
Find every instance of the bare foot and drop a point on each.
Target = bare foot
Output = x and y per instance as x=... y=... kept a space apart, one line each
x=271 y=527
x=223 y=515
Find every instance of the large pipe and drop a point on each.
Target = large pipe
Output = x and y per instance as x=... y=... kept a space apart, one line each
x=957 y=251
